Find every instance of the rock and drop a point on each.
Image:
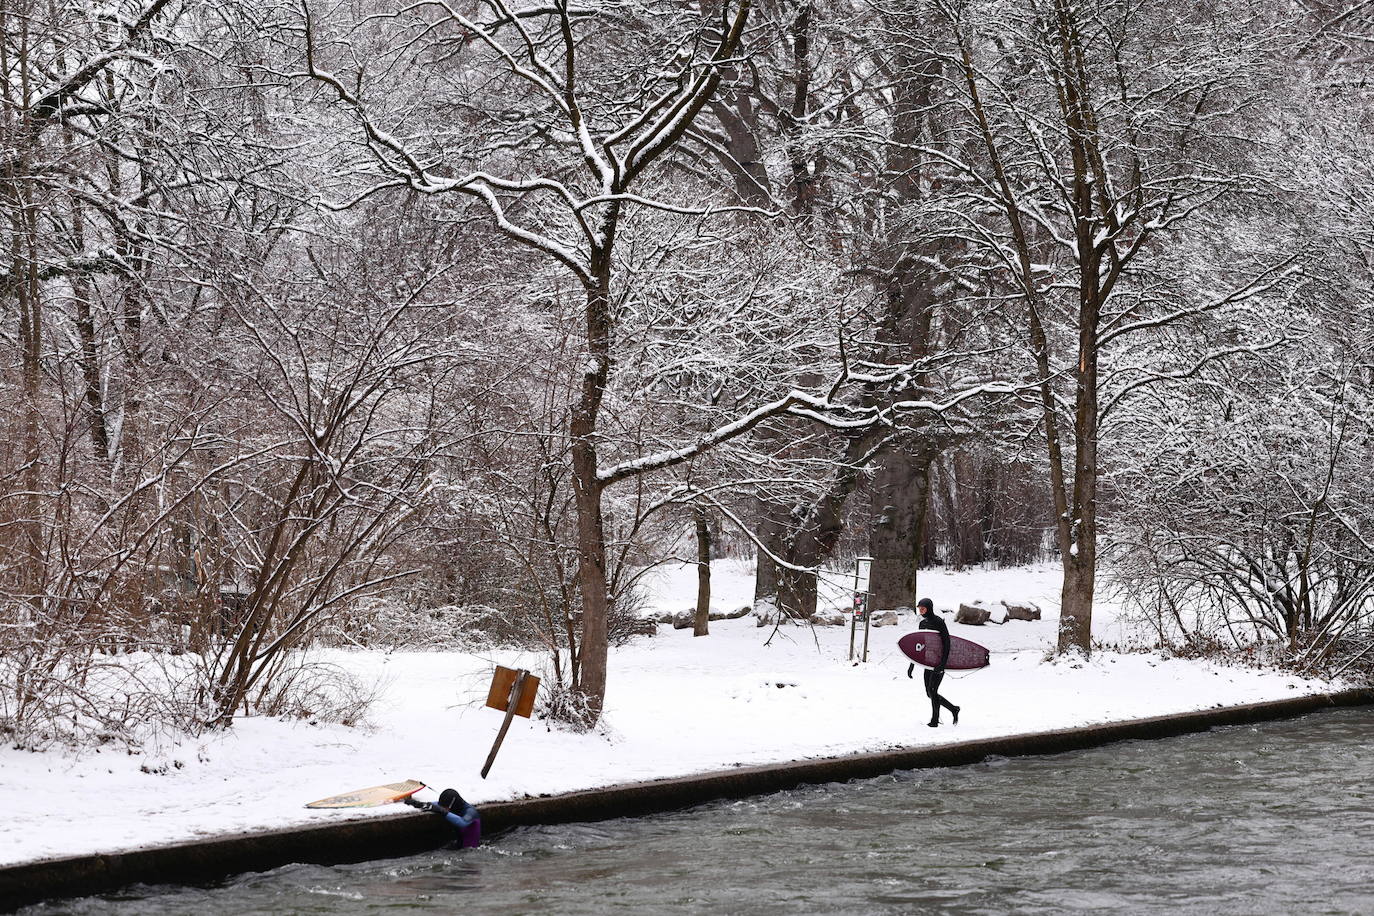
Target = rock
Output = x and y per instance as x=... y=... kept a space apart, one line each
x=685 y=619
x=885 y=619
x=766 y=614
x=974 y=615
x=1023 y=611
x=830 y=618
x=640 y=626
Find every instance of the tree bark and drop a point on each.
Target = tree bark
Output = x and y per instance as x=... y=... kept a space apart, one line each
x=89 y=355
x=812 y=537
x=772 y=528
x=901 y=487
x=701 y=623
x=901 y=502
x=587 y=487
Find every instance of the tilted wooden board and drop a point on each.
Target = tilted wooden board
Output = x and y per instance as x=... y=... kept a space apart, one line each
x=371 y=796
x=498 y=697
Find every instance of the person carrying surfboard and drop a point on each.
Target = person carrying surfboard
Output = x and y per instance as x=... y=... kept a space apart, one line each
x=460 y=815
x=933 y=676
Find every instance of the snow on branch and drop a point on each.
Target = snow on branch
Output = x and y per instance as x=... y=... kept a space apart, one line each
x=1198 y=365
x=50 y=103
x=1266 y=280
x=796 y=403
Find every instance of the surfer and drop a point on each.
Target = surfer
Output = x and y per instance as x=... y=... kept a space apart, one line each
x=461 y=816
x=933 y=676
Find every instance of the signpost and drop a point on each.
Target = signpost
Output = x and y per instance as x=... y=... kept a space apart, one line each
x=860 y=611
x=513 y=693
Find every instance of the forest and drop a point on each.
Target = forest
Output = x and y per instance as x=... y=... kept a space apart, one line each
x=394 y=323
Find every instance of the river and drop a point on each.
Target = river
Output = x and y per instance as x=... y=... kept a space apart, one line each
x=1271 y=818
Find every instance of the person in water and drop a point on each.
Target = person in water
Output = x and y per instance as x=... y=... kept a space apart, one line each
x=933 y=676
x=461 y=816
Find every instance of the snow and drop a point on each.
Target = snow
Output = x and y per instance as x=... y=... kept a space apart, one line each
x=675 y=705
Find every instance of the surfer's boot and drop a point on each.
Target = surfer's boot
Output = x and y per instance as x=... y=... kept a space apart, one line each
x=955 y=710
x=934 y=723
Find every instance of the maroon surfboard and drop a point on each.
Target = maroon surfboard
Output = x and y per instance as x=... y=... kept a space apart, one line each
x=923 y=648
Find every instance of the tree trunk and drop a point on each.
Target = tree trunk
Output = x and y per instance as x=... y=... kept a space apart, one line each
x=901 y=501
x=803 y=183
x=1076 y=605
x=901 y=487
x=741 y=155
x=587 y=488
x=1081 y=559
x=89 y=356
x=772 y=529
x=797 y=593
x=701 y=623
x=813 y=538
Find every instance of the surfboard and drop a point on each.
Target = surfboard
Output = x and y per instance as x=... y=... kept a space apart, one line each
x=923 y=648
x=371 y=796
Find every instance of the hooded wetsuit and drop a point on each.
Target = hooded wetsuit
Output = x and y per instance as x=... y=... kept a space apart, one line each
x=933 y=676
x=461 y=816
x=465 y=819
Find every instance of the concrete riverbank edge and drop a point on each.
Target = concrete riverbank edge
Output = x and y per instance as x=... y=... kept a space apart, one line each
x=408 y=833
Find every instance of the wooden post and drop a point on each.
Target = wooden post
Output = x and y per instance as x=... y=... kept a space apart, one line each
x=860 y=608
x=867 y=617
x=517 y=699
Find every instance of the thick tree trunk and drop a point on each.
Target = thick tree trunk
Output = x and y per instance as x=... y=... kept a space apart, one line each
x=702 y=621
x=901 y=487
x=772 y=533
x=1076 y=605
x=591 y=572
x=1079 y=549
x=587 y=489
x=803 y=182
x=740 y=154
x=901 y=502
x=812 y=540
x=797 y=594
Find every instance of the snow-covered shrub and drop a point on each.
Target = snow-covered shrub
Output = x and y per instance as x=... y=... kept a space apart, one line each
x=390 y=624
x=1245 y=522
x=306 y=688
x=560 y=704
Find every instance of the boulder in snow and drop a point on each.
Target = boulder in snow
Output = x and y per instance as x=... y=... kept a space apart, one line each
x=766 y=614
x=1021 y=611
x=974 y=615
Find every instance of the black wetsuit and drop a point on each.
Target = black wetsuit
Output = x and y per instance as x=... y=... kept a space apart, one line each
x=933 y=676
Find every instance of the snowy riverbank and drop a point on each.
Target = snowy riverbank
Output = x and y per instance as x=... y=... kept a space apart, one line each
x=675 y=705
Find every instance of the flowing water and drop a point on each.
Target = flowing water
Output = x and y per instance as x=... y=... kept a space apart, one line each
x=1274 y=818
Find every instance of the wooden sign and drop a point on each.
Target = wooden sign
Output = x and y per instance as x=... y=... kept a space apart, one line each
x=513 y=693
x=501 y=692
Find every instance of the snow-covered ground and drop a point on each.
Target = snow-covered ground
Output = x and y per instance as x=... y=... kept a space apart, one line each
x=675 y=705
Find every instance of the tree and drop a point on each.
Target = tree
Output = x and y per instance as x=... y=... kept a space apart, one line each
x=1093 y=134
x=617 y=127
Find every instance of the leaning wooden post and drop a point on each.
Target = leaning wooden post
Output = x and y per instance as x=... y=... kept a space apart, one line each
x=514 y=692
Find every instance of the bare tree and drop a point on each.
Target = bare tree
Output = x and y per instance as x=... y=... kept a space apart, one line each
x=1085 y=148
x=617 y=129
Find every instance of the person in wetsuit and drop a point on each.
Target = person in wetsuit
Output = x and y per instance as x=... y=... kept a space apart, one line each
x=933 y=676
x=461 y=816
